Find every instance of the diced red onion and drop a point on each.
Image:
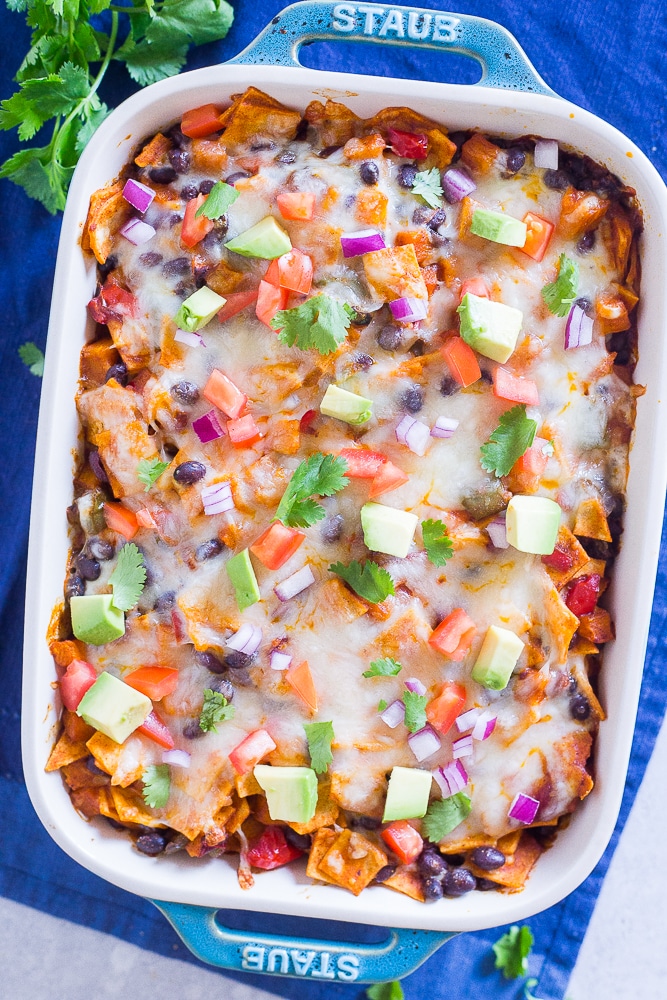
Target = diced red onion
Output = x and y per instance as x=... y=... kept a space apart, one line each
x=462 y=747
x=179 y=758
x=484 y=726
x=217 y=498
x=497 y=531
x=444 y=427
x=546 y=154
x=468 y=719
x=524 y=808
x=219 y=506
x=394 y=714
x=578 y=329
x=365 y=241
x=208 y=427
x=280 y=661
x=408 y=310
x=295 y=583
x=456 y=776
x=137 y=232
x=456 y=185
x=247 y=640
x=424 y=743
x=415 y=685
x=191 y=339
x=442 y=783
x=139 y=195
x=414 y=434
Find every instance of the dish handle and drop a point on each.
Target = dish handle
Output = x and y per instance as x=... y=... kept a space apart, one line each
x=504 y=63
x=399 y=954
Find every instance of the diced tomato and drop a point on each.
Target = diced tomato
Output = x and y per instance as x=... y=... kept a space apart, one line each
x=514 y=388
x=527 y=471
x=200 y=122
x=538 y=234
x=251 y=751
x=446 y=706
x=277 y=544
x=475 y=286
x=270 y=300
x=296 y=205
x=222 y=392
x=236 y=301
x=307 y=419
x=389 y=478
x=362 y=463
x=121 y=519
x=560 y=559
x=112 y=302
x=454 y=635
x=271 y=850
x=145 y=519
x=243 y=432
x=402 y=838
x=79 y=676
x=461 y=361
x=408 y=144
x=293 y=270
x=192 y=229
x=582 y=595
x=300 y=680
x=155 y=729
x=155 y=682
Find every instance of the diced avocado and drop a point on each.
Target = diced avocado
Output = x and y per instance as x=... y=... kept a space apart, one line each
x=266 y=239
x=497 y=658
x=346 y=406
x=95 y=619
x=387 y=529
x=243 y=579
x=498 y=227
x=291 y=792
x=532 y=524
x=407 y=794
x=114 y=708
x=489 y=327
x=198 y=309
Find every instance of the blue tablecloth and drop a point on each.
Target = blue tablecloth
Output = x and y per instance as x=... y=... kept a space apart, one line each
x=606 y=57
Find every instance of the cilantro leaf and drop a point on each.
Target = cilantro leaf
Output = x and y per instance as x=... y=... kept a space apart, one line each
x=128 y=578
x=31 y=356
x=561 y=293
x=150 y=470
x=385 y=991
x=415 y=710
x=215 y=709
x=512 y=951
x=318 y=475
x=438 y=544
x=444 y=815
x=369 y=581
x=157 y=783
x=385 y=667
x=320 y=322
x=513 y=435
x=427 y=186
x=319 y=736
x=382 y=704
x=218 y=200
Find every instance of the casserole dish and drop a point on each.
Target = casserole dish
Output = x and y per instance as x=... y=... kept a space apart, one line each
x=584 y=841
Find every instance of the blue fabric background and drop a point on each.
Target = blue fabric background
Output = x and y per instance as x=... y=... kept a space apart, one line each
x=605 y=56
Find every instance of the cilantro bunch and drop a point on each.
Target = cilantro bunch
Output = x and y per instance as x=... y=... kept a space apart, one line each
x=61 y=74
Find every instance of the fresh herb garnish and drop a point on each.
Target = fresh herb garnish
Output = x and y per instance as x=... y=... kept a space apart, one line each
x=320 y=322
x=444 y=815
x=385 y=991
x=128 y=578
x=215 y=709
x=562 y=292
x=218 y=200
x=415 y=710
x=427 y=186
x=31 y=356
x=150 y=470
x=156 y=785
x=382 y=704
x=513 y=435
x=385 y=667
x=512 y=951
x=319 y=736
x=58 y=84
x=438 y=544
x=369 y=581
x=318 y=475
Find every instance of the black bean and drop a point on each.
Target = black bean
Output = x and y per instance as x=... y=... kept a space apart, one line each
x=332 y=528
x=580 y=707
x=421 y=215
x=75 y=587
x=188 y=473
x=412 y=399
x=432 y=888
x=417 y=348
x=386 y=873
x=327 y=151
x=365 y=822
x=487 y=376
x=178 y=138
x=165 y=602
x=151 y=844
x=586 y=242
x=207 y=550
x=431 y=862
x=109 y=265
x=238 y=175
x=162 y=175
x=406 y=175
x=515 y=160
x=87 y=568
x=189 y=191
x=585 y=304
x=174 y=219
x=301 y=130
x=287 y=156
x=362 y=361
x=390 y=337
x=205 y=658
x=458 y=881
x=455 y=860
x=369 y=172
x=620 y=344
x=192 y=730
x=206 y=186
x=100 y=548
x=95 y=462
x=361 y=318
x=437 y=219
x=438 y=239
x=187 y=392
x=200 y=272
x=235 y=660
x=486 y=885
x=449 y=386
x=176 y=266
x=180 y=160
x=224 y=687
x=183 y=289
x=119 y=372
x=213 y=240
x=300 y=841
x=151 y=259
x=487 y=858
x=94 y=769
x=557 y=180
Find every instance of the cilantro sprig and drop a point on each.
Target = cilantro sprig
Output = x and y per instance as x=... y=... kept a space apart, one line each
x=320 y=736
x=369 y=580
x=128 y=578
x=427 y=186
x=219 y=199
x=444 y=815
x=438 y=544
x=512 y=951
x=31 y=356
x=320 y=323
x=215 y=709
x=561 y=293
x=150 y=470
x=318 y=475
x=60 y=75
x=386 y=667
x=415 y=710
x=385 y=991
x=511 y=438
x=157 y=783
